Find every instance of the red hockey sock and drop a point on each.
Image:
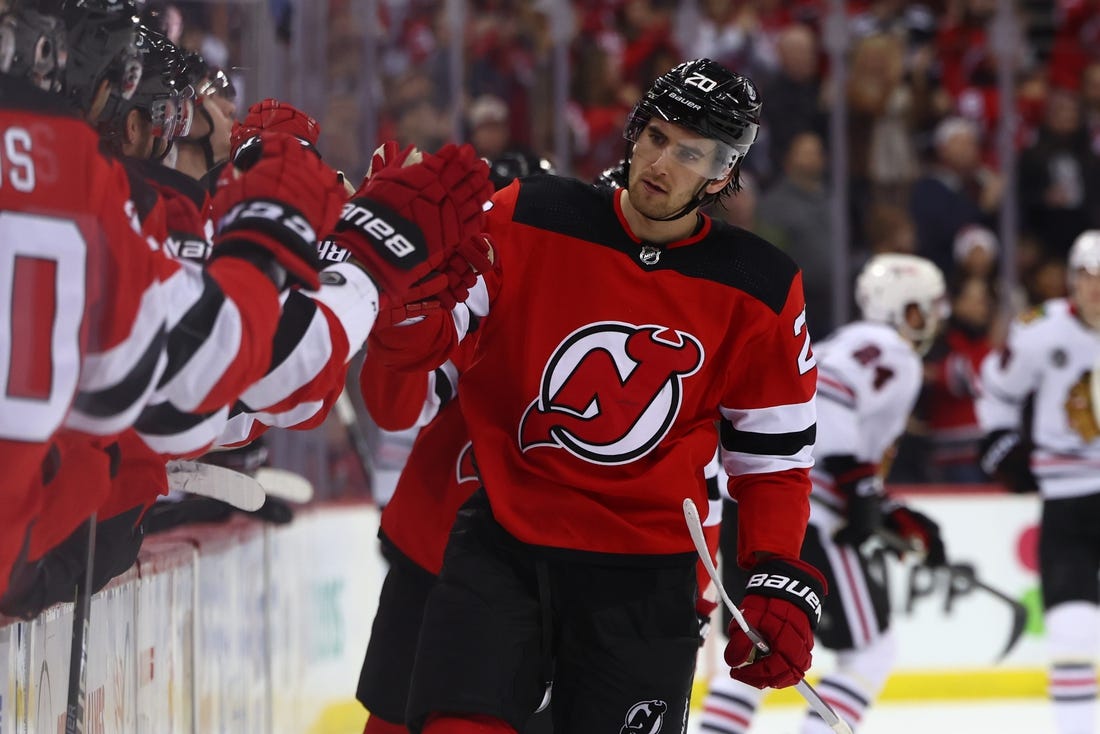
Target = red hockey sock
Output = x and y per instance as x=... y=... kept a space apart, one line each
x=376 y=725
x=466 y=724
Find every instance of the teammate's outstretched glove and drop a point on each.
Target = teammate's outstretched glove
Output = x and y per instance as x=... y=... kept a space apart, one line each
x=406 y=221
x=1005 y=457
x=919 y=530
x=783 y=600
x=277 y=205
x=276 y=116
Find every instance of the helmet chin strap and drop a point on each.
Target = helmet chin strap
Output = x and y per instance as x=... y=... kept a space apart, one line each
x=204 y=141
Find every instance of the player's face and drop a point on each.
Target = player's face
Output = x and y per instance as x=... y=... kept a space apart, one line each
x=669 y=167
x=1086 y=295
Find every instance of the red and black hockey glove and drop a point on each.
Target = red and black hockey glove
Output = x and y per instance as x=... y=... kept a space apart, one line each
x=273 y=115
x=1004 y=456
x=918 y=530
x=273 y=202
x=783 y=598
x=406 y=221
x=861 y=486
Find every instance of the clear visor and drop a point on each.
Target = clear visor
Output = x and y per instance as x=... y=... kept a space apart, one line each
x=217 y=84
x=706 y=157
x=934 y=319
x=172 y=115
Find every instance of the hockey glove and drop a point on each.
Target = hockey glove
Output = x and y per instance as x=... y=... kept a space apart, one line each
x=405 y=222
x=918 y=530
x=782 y=602
x=273 y=115
x=276 y=205
x=1005 y=457
x=860 y=484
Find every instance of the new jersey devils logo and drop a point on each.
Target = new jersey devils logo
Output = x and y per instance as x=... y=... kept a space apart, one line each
x=645 y=717
x=610 y=391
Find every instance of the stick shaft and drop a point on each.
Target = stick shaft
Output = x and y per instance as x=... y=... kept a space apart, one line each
x=818 y=704
x=78 y=650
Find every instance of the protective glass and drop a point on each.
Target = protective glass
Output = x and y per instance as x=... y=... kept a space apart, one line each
x=706 y=157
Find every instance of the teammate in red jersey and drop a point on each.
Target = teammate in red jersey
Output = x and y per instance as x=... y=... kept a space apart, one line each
x=82 y=268
x=625 y=324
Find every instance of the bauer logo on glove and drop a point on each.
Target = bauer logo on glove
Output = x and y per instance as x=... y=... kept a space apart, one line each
x=780 y=583
x=406 y=251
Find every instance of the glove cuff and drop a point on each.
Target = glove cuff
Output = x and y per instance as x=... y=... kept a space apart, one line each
x=387 y=244
x=791 y=580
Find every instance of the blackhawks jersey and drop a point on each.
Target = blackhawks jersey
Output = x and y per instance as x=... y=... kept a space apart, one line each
x=1051 y=353
x=868 y=381
x=604 y=362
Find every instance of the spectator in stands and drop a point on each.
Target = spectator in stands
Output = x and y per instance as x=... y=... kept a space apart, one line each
x=1059 y=177
x=740 y=210
x=957 y=190
x=794 y=214
x=794 y=93
x=951 y=383
x=976 y=251
x=1090 y=102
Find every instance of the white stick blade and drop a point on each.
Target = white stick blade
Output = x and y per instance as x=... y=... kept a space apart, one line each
x=286 y=485
x=208 y=480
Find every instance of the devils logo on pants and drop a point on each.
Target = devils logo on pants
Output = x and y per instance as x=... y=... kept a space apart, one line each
x=610 y=391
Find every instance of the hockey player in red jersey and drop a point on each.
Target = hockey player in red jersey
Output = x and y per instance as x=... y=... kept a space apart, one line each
x=1053 y=354
x=254 y=253
x=626 y=323
x=869 y=377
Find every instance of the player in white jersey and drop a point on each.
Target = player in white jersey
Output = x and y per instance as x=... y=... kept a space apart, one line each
x=1053 y=354
x=869 y=376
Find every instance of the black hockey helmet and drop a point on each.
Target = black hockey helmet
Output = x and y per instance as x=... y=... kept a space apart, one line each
x=709 y=99
x=32 y=45
x=102 y=37
x=516 y=164
x=162 y=93
x=206 y=79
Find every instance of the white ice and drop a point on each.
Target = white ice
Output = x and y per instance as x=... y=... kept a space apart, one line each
x=1031 y=716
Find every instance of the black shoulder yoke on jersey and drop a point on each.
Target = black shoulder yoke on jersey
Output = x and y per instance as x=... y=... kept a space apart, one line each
x=727 y=255
x=17 y=93
x=143 y=195
x=173 y=179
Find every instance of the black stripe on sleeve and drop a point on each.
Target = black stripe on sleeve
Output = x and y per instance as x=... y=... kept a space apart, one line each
x=443 y=389
x=164 y=419
x=119 y=397
x=298 y=313
x=193 y=330
x=767 y=444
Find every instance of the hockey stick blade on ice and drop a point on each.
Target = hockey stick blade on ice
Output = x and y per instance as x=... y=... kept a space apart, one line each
x=285 y=485
x=216 y=482
x=818 y=704
x=962 y=577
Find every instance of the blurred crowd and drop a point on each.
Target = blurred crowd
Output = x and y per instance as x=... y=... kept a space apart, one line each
x=922 y=97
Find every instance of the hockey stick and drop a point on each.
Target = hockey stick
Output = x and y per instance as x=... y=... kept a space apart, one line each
x=345 y=411
x=78 y=650
x=284 y=484
x=961 y=579
x=818 y=704
x=217 y=482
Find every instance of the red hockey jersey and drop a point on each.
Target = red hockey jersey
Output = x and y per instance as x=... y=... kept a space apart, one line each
x=604 y=363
